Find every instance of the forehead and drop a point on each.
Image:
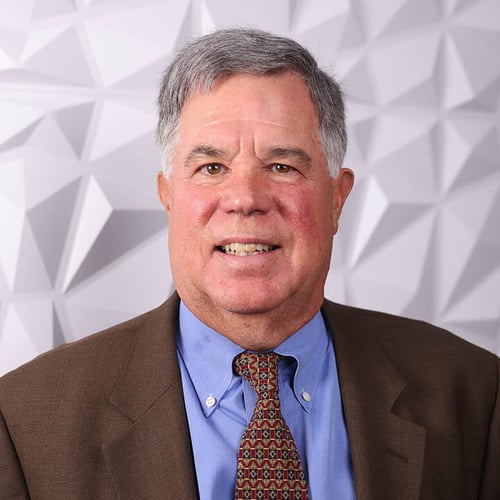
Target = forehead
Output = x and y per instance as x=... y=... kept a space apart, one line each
x=271 y=104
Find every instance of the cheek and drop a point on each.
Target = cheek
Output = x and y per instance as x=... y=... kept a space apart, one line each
x=188 y=218
x=193 y=205
x=311 y=214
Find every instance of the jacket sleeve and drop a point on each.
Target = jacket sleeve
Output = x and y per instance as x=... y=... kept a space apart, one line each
x=490 y=483
x=12 y=483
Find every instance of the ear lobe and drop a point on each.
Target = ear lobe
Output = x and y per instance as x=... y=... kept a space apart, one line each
x=343 y=183
x=164 y=190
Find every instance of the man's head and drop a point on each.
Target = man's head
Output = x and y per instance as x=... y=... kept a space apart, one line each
x=251 y=201
x=203 y=61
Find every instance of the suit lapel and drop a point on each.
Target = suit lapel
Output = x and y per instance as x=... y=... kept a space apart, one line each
x=387 y=451
x=150 y=453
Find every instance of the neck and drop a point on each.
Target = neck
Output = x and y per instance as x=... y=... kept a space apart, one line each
x=258 y=331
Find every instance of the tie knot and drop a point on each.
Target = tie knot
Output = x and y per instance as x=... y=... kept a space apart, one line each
x=260 y=370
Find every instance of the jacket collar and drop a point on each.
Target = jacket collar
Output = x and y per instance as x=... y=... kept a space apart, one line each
x=387 y=450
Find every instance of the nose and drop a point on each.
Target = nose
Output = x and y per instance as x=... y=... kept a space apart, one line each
x=246 y=192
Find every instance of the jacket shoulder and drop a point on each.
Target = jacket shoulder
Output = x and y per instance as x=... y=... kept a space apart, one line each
x=407 y=342
x=98 y=357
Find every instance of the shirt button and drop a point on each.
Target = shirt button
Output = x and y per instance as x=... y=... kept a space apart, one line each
x=306 y=396
x=210 y=401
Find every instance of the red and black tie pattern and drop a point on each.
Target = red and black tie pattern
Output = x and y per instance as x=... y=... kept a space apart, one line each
x=269 y=465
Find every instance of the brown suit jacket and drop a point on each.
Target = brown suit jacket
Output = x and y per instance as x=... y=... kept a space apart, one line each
x=104 y=418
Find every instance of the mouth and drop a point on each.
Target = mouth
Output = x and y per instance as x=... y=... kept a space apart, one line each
x=245 y=249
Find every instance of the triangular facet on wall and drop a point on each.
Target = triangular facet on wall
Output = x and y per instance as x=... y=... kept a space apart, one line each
x=74 y=123
x=64 y=59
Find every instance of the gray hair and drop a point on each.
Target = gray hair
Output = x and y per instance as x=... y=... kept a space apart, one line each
x=227 y=51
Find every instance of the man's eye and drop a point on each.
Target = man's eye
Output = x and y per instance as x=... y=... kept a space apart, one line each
x=212 y=169
x=282 y=168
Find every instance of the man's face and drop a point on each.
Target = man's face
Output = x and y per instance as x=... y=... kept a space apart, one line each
x=252 y=209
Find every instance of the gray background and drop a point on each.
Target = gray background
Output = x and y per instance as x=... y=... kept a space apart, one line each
x=83 y=240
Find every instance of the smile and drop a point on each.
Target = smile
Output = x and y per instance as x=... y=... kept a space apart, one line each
x=245 y=249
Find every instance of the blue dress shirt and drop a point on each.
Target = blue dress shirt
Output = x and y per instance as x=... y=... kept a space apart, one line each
x=219 y=405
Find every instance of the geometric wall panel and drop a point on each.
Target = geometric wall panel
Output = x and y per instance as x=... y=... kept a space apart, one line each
x=84 y=239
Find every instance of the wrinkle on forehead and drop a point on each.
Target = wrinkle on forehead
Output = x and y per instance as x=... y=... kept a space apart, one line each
x=233 y=91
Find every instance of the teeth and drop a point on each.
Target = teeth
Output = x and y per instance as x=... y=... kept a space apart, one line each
x=244 y=249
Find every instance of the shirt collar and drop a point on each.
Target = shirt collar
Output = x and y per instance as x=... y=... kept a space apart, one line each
x=208 y=358
x=308 y=346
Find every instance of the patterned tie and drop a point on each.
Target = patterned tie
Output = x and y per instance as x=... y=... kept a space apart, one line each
x=269 y=464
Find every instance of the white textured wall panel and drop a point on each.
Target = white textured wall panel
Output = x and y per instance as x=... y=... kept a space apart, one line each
x=83 y=241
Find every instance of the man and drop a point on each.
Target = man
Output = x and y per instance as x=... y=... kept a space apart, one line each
x=378 y=407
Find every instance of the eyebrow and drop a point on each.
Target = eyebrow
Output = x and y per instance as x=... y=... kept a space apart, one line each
x=270 y=153
x=203 y=151
x=287 y=153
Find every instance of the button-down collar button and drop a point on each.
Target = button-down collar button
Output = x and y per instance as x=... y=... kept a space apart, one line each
x=210 y=401
x=306 y=396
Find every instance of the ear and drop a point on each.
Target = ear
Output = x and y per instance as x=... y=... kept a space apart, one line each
x=342 y=186
x=164 y=190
